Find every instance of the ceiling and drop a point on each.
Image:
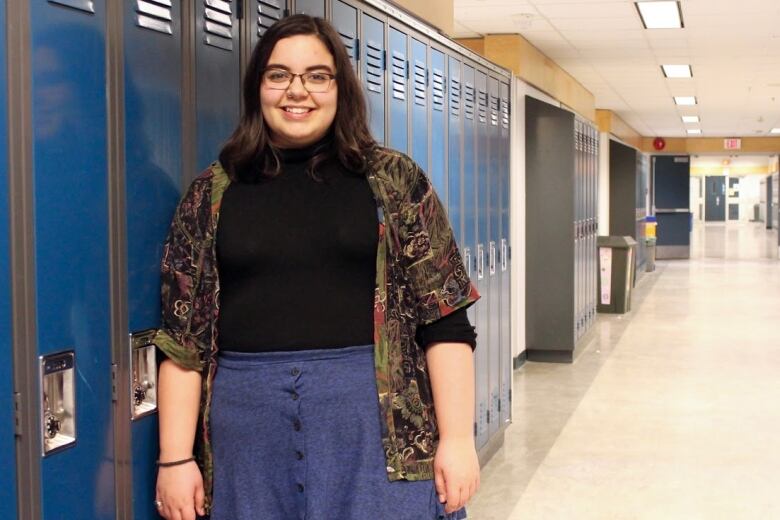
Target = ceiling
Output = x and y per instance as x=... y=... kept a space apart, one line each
x=733 y=47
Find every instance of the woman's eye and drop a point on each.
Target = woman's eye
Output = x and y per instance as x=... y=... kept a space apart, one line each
x=318 y=77
x=277 y=76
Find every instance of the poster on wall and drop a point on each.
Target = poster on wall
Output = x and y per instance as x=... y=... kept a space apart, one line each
x=605 y=254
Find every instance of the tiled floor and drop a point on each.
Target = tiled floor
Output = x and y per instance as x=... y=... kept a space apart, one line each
x=669 y=412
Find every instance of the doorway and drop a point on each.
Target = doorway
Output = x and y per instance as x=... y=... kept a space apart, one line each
x=715 y=199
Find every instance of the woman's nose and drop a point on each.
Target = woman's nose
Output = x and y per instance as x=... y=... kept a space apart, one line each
x=296 y=87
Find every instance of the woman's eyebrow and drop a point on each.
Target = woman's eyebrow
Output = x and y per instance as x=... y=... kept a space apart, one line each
x=308 y=69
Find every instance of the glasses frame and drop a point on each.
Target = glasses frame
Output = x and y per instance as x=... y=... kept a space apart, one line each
x=271 y=86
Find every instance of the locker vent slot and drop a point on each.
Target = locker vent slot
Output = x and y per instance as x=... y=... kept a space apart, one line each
x=504 y=113
x=468 y=101
x=483 y=101
x=374 y=67
x=455 y=96
x=155 y=15
x=399 y=75
x=420 y=83
x=218 y=22
x=494 y=110
x=268 y=13
x=348 y=38
x=438 y=90
x=82 y=5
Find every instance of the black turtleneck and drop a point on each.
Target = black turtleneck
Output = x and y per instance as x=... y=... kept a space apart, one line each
x=297 y=262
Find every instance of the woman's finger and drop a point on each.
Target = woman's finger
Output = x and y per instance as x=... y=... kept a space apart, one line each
x=441 y=488
x=200 y=499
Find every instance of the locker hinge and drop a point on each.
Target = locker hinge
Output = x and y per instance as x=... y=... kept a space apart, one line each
x=240 y=10
x=17 y=414
x=285 y=13
x=499 y=405
x=384 y=60
x=510 y=395
x=488 y=416
x=114 y=372
x=357 y=49
x=407 y=70
x=475 y=429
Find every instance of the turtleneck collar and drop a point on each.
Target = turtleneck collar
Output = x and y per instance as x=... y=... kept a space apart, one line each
x=298 y=155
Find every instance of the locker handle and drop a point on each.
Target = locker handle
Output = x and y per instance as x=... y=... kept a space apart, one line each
x=480 y=261
x=503 y=254
x=492 y=257
x=467 y=260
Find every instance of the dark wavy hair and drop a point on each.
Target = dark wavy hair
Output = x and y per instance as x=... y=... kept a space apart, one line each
x=249 y=154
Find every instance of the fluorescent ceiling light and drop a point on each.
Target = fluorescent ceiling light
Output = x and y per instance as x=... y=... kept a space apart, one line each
x=775 y=131
x=685 y=100
x=664 y=14
x=692 y=131
x=691 y=119
x=677 y=71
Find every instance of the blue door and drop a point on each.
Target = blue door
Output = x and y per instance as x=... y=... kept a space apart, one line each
x=7 y=444
x=671 y=199
x=420 y=78
x=437 y=169
x=70 y=178
x=493 y=216
x=715 y=198
x=398 y=100
x=344 y=19
x=456 y=158
x=153 y=171
x=373 y=74
x=504 y=259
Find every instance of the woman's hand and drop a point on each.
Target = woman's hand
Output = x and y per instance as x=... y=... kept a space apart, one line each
x=180 y=489
x=456 y=472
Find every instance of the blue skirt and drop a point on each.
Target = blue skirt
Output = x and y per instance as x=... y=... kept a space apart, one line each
x=296 y=435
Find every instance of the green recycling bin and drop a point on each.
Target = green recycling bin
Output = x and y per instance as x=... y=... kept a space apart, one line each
x=616 y=273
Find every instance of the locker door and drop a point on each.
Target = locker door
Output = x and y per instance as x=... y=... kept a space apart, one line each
x=310 y=7
x=473 y=154
x=153 y=176
x=420 y=78
x=493 y=202
x=577 y=162
x=7 y=445
x=456 y=158
x=437 y=170
x=217 y=79
x=398 y=114
x=344 y=19
x=504 y=262
x=373 y=74
x=579 y=248
x=593 y=268
x=71 y=244
x=262 y=15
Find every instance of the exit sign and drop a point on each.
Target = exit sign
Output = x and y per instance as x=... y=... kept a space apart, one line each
x=732 y=144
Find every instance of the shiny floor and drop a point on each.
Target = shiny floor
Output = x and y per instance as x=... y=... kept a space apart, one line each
x=669 y=412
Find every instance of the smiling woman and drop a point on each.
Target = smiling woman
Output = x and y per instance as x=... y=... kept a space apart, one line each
x=308 y=340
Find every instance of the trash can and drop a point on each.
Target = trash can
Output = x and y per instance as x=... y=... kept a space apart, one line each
x=650 y=254
x=616 y=272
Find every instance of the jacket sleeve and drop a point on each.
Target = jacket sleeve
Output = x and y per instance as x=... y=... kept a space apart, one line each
x=434 y=265
x=179 y=278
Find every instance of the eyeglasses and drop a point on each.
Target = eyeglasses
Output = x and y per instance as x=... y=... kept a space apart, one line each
x=280 y=79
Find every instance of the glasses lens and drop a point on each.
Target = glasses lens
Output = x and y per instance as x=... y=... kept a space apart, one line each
x=317 y=81
x=276 y=78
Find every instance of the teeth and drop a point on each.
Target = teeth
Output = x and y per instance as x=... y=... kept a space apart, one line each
x=297 y=110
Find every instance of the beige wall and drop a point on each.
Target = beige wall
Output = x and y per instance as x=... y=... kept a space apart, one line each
x=713 y=145
x=439 y=13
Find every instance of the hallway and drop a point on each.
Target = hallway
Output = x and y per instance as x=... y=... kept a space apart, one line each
x=669 y=412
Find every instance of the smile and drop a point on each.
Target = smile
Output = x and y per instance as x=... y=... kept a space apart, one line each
x=297 y=110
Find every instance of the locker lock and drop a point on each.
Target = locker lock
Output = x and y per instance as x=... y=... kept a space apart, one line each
x=57 y=401
x=143 y=368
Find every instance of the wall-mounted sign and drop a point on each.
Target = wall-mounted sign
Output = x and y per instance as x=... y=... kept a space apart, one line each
x=732 y=144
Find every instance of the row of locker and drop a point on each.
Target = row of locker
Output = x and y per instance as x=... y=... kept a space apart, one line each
x=561 y=228
x=92 y=187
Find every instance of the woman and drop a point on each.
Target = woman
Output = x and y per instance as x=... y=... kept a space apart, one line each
x=305 y=347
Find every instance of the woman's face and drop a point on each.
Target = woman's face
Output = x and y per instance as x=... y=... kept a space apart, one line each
x=295 y=116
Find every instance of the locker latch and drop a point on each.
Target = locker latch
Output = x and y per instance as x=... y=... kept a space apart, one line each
x=467 y=260
x=57 y=401
x=143 y=373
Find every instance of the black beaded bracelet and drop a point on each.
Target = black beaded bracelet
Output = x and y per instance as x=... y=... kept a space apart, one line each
x=174 y=463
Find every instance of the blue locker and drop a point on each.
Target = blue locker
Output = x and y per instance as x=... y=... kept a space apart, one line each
x=262 y=15
x=7 y=444
x=492 y=213
x=218 y=90
x=344 y=19
x=310 y=7
x=455 y=161
x=474 y=156
x=420 y=77
x=437 y=170
x=153 y=153
x=70 y=174
x=504 y=259
x=398 y=100
x=373 y=74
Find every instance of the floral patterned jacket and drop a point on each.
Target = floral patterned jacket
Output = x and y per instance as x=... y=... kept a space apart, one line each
x=420 y=277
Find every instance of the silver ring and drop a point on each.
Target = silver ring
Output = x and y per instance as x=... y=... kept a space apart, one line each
x=158 y=503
